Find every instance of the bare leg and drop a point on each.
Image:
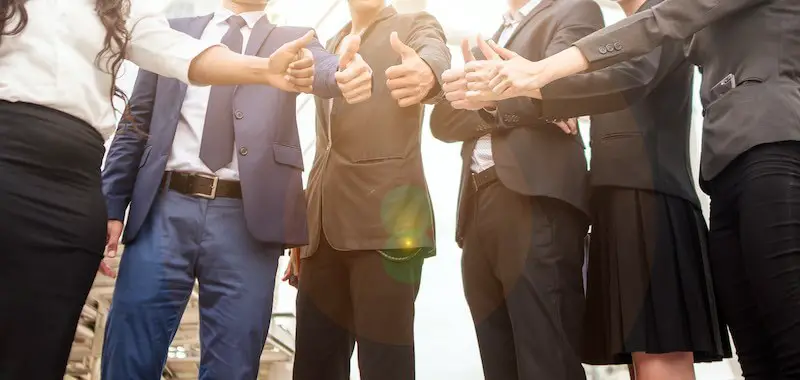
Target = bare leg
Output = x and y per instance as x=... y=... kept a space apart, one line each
x=672 y=366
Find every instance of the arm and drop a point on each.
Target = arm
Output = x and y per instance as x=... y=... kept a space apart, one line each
x=156 y=47
x=427 y=38
x=451 y=125
x=581 y=20
x=644 y=31
x=607 y=90
x=125 y=153
x=325 y=67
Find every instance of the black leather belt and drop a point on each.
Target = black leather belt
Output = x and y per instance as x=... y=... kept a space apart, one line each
x=480 y=180
x=202 y=185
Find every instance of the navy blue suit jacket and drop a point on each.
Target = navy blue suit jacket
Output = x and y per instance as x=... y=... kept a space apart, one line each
x=270 y=172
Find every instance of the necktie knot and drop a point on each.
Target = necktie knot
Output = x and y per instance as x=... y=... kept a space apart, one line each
x=236 y=22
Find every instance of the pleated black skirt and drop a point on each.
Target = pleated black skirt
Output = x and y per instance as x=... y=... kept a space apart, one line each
x=649 y=287
x=52 y=235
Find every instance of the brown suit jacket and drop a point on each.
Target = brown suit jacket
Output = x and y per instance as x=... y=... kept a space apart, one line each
x=367 y=188
x=754 y=40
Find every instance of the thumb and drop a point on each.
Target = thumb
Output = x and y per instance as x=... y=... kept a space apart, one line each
x=501 y=51
x=400 y=48
x=352 y=44
x=487 y=50
x=466 y=51
x=301 y=42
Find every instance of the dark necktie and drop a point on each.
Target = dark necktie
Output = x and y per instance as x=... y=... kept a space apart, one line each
x=216 y=146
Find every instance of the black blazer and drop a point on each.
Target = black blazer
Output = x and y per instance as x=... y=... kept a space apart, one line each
x=642 y=116
x=755 y=40
x=367 y=187
x=531 y=156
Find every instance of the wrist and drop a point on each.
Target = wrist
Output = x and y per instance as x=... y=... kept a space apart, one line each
x=262 y=71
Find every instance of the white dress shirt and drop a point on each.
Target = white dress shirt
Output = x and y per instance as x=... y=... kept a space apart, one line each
x=482 y=155
x=185 y=155
x=52 y=61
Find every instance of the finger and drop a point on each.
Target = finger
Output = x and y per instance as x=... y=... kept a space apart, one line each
x=466 y=51
x=452 y=75
x=358 y=95
x=106 y=270
x=404 y=82
x=487 y=50
x=298 y=44
x=350 y=48
x=399 y=47
x=409 y=101
x=361 y=82
x=398 y=71
x=301 y=64
x=573 y=126
x=301 y=81
x=501 y=51
x=459 y=85
x=406 y=92
x=502 y=87
x=306 y=72
x=564 y=127
x=497 y=79
x=455 y=96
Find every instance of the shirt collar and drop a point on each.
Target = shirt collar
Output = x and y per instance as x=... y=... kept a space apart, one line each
x=515 y=17
x=221 y=15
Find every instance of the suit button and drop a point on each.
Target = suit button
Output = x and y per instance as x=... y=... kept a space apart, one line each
x=239 y=115
x=617 y=46
x=243 y=151
x=610 y=47
x=603 y=50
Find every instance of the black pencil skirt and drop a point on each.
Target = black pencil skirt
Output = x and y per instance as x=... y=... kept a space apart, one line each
x=52 y=235
x=649 y=286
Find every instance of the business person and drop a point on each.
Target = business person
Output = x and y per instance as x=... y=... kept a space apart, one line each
x=213 y=179
x=748 y=53
x=370 y=216
x=523 y=207
x=650 y=296
x=58 y=64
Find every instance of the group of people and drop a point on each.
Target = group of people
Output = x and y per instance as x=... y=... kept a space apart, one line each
x=202 y=183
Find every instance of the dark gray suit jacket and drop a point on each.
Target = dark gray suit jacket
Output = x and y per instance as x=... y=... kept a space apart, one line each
x=531 y=156
x=641 y=119
x=755 y=40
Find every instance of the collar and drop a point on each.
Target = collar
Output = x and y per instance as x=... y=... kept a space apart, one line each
x=515 y=17
x=221 y=15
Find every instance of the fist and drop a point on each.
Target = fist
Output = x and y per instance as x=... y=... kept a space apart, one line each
x=354 y=77
x=409 y=82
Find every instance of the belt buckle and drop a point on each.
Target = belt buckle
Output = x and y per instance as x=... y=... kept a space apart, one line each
x=214 y=181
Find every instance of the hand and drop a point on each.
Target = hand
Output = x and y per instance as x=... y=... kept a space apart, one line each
x=455 y=85
x=411 y=80
x=569 y=126
x=354 y=76
x=291 y=67
x=292 y=273
x=113 y=233
x=480 y=73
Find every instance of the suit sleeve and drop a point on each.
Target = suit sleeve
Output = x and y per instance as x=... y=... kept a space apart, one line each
x=125 y=153
x=325 y=66
x=427 y=38
x=578 y=21
x=641 y=33
x=611 y=89
x=452 y=125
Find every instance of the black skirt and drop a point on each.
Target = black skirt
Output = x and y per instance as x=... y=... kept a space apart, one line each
x=52 y=235
x=649 y=286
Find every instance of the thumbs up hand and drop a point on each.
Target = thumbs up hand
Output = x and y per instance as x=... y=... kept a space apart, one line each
x=409 y=82
x=354 y=76
x=292 y=65
x=455 y=84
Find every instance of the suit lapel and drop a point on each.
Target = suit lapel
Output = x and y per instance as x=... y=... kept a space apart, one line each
x=542 y=6
x=261 y=30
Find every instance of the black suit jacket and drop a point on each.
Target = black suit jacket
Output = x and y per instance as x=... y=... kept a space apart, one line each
x=755 y=40
x=531 y=156
x=367 y=187
x=642 y=116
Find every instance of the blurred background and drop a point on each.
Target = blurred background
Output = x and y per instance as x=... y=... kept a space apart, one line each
x=446 y=347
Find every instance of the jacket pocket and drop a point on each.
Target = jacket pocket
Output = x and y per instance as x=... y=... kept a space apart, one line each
x=620 y=135
x=288 y=155
x=376 y=160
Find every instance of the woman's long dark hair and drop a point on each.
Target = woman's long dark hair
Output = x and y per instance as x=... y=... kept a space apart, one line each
x=112 y=13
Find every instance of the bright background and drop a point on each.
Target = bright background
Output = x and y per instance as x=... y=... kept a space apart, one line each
x=446 y=345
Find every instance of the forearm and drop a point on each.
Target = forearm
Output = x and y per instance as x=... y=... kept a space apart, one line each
x=220 y=66
x=454 y=125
